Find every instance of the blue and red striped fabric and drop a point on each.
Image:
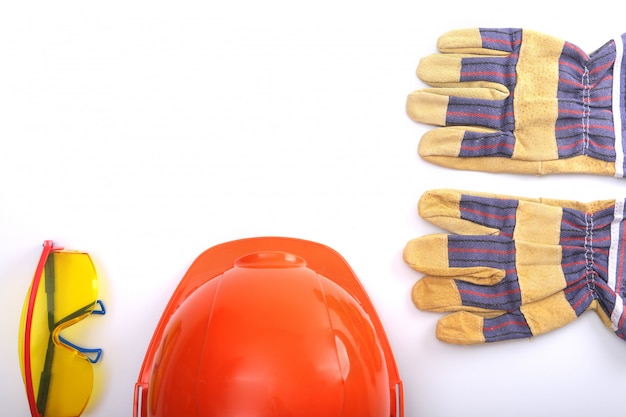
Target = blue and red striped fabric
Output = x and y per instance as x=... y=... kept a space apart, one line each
x=512 y=325
x=490 y=251
x=505 y=39
x=619 y=105
x=491 y=212
x=491 y=144
x=585 y=122
x=495 y=114
x=585 y=241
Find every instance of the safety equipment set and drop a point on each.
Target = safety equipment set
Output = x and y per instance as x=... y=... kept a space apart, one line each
x=275 y=326
x=267 y=326
x=519 y=101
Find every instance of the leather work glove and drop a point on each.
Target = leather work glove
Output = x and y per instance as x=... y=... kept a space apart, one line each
x=515 y=268
x=515 y=100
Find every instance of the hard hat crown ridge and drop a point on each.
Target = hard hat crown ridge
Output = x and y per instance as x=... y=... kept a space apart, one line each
x=270 y=259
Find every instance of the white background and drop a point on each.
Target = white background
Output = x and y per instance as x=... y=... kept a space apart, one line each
x=146 y=132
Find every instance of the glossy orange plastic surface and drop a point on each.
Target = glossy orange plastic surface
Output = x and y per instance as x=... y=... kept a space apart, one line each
x=269 y=327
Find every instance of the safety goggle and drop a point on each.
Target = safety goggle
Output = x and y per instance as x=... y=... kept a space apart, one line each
x=58 y=374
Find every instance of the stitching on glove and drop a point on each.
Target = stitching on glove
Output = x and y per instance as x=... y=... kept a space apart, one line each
x=457 y=295
x=590 y=273
x=586 y=109
x=444 y=113
x=460 y=136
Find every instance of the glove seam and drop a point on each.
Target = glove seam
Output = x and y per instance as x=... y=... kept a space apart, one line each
x=586 y=99
x=590 y=272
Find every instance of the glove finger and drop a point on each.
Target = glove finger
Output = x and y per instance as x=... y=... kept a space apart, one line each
x=443 y=146
x=533 y=274
x=469 y=214
x=522 y=219
x=486 y=107
x=466 y=142
x=466 y=328
x=457 y=71
x=445 y=294
x=530 y=320
x=450 y=198
x=481 y=41
x=431 y=255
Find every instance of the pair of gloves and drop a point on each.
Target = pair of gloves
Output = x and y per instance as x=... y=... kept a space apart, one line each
x=511 y=100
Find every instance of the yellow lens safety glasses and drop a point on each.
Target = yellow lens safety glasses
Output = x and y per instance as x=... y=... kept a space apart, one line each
x=57 y=373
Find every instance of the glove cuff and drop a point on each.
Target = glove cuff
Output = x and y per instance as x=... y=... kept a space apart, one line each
x=615 y=278
x=619 y=105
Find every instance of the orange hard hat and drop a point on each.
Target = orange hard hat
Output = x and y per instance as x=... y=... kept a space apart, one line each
x=265 y=327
